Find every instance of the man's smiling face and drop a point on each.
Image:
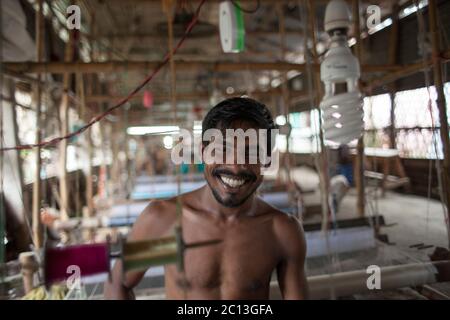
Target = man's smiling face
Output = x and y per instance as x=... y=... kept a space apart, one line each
x=233 y=183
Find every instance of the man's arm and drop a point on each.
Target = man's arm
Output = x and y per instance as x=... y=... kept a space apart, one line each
x=291 y=269
x=154 y=222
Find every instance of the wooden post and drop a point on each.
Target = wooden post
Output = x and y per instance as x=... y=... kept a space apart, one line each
x=64 y=120
x=168 y=9
x=89 y=178
x=393 y=48
x=36 y=221
x=90 y=150
x=438 y=83
x=115 y=165
x=359 y=167
x=286 y=100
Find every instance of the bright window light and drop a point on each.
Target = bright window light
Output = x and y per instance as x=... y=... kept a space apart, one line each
x=23 y=98
x=412 y=9
x=197 y=125
x=384 y=24
x=168 y=142
x=280 y=120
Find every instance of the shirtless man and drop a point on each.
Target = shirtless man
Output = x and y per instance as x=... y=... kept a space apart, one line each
x=256 y=237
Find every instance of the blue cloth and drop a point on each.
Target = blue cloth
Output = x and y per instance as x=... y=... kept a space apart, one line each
x=346 y=170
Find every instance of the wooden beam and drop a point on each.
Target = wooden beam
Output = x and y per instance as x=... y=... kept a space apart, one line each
x=219 y=66
x=393 y=51
x=192 y=96
x=148 y=37
x=441 y=104
x=393 y=76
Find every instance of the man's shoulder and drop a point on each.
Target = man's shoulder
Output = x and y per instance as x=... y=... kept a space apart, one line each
x=161 y=209
x=279 y=217
x=156 y=207
x=156 y=220
x=287 y=228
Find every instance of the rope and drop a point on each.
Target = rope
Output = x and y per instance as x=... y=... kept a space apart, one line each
x=99 y=117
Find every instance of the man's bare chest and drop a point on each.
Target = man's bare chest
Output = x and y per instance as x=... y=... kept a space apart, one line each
x=242 y=262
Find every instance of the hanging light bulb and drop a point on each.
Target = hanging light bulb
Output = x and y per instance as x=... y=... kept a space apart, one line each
x=342 y=104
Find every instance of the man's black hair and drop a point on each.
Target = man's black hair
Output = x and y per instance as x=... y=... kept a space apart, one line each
x=226 y=112
x=232 y=109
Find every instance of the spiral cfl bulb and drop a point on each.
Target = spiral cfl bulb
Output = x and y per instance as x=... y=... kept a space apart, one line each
x=342 y=104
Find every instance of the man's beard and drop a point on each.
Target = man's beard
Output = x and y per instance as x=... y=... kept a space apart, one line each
x=231 y=202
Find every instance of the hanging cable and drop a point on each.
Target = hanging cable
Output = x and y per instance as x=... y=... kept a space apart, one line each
x=245 y=10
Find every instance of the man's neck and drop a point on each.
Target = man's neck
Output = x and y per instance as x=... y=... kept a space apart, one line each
x=227 y=213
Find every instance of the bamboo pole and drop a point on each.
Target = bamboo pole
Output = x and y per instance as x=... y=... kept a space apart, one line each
x=359 y=167
x=89 y=145
x=393 y=50
x=89 y=177
x=37 y=227
x=64 y=121
x=168 y=9
x=438 y=83
x=290 y=188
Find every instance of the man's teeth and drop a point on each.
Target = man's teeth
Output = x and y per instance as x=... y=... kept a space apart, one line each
x=231 y=182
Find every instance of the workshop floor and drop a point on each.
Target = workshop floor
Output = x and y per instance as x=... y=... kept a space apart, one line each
x=409 y=219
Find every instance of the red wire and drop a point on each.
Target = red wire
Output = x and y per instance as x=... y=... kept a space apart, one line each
x=99 y=117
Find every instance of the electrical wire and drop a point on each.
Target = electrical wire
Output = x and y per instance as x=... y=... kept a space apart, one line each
x=245 y=10
x=123 y=101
